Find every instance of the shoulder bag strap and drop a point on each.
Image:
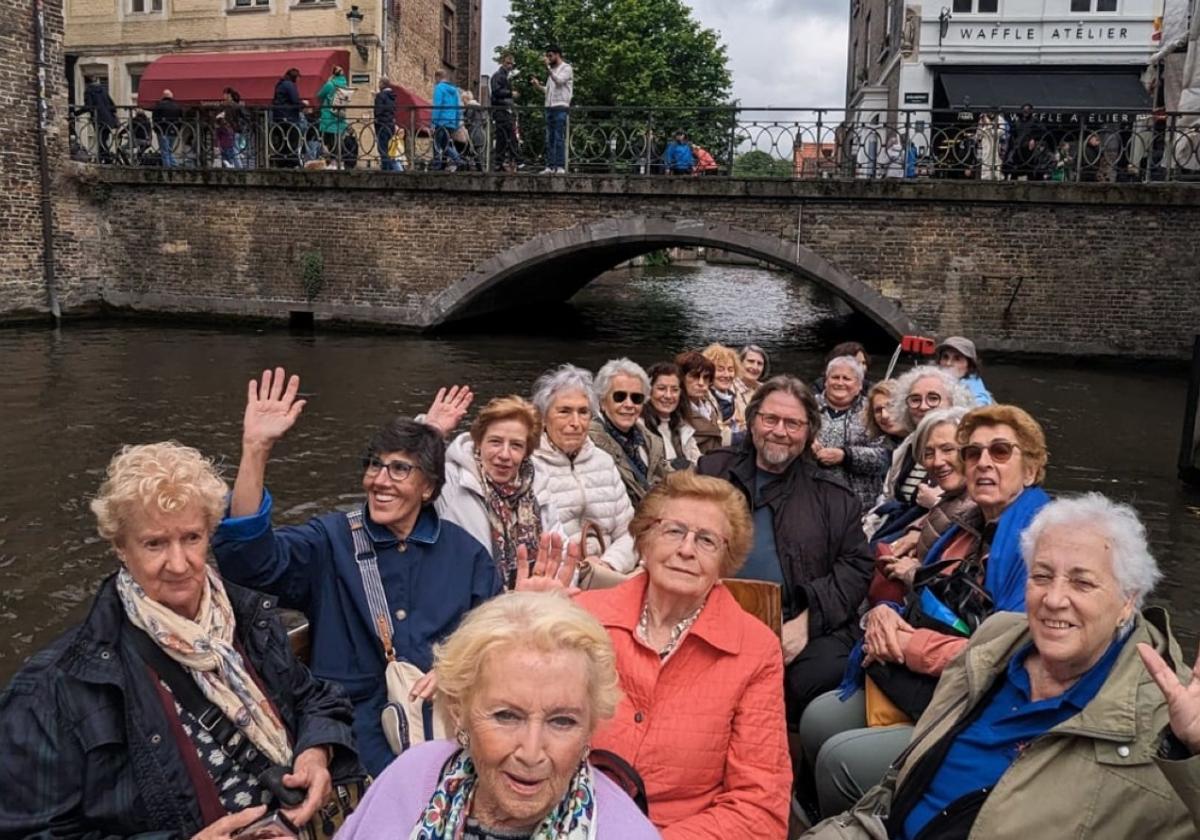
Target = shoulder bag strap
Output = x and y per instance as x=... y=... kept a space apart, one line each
x=214 y=721
x=368 y=569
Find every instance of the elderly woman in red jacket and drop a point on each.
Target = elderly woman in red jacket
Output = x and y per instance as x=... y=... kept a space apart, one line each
x=702 y=717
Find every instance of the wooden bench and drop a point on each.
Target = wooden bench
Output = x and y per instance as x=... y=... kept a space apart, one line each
x=761 y=598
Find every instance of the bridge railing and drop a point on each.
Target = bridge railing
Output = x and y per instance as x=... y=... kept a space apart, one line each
x=1101 y=145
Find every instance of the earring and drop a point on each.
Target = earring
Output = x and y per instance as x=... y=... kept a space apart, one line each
x=464 y=740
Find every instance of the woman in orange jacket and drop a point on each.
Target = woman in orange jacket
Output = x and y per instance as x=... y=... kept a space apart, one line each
x=702 y=716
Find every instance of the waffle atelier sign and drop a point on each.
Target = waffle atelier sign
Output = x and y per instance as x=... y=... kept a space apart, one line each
x=1048 y=34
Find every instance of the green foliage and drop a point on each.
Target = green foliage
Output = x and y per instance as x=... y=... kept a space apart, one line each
x=624 y=52
x=658 y=258
x=759 y=164
x=312 y=274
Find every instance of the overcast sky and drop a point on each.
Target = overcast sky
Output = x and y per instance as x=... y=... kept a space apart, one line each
x=781 y=52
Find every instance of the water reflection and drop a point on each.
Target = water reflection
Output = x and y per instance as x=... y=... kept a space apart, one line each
x=71 y=398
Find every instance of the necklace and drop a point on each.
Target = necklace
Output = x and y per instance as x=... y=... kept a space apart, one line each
x=676 y=632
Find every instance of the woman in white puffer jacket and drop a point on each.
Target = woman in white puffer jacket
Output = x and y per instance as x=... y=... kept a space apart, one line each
x=492 y=489
x=580 y=480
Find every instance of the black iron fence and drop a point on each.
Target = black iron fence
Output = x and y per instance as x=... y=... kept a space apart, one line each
x=703 y=142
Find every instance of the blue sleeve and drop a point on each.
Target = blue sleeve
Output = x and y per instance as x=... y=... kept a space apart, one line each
x=284 y=562
x=485 y=577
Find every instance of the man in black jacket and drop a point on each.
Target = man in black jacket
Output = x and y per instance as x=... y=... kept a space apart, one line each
x=167 y=116
x=287 y=136
x=503 y=96
x=808 y=536
x=104 y=117
x=385 y=124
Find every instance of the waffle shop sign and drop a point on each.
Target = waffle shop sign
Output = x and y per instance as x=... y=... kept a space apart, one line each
x=1044 y=34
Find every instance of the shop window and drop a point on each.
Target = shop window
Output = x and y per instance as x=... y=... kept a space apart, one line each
x=448 y=35
x=982 y=7
x=1093 y=5
x=145 y=6
x=135 y=72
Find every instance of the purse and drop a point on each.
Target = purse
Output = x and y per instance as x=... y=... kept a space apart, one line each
x=461 y=136
x=596 y=575
x=405 y=722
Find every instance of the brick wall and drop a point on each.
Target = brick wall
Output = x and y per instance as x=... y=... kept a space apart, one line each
x=1047 y=268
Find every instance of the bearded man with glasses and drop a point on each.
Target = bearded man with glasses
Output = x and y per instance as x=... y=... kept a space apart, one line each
x=807 y=535
x=430 y=572
x=621 y=389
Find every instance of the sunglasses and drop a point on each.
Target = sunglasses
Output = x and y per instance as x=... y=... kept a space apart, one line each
x=635 y=397
x=1000 y=451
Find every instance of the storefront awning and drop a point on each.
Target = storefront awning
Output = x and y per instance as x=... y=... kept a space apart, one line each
x=199 y=78
x=413 y=112
x=1047 y=92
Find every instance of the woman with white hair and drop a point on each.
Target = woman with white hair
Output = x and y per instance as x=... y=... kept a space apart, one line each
x=844 y=447
x=581 y=480
x=907 y=490
x=1047 y=723
x=621 y=389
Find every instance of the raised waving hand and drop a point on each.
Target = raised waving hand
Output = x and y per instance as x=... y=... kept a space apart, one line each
x=448 y=408
x=271 y=409
x=552 y=570
x=1183 y=701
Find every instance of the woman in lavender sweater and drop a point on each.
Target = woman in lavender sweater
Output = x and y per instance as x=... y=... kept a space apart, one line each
x=526 y=678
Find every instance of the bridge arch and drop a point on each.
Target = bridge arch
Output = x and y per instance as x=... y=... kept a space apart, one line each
x=555 y=265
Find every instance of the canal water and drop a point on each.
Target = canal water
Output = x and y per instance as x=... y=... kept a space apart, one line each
x=71 y=397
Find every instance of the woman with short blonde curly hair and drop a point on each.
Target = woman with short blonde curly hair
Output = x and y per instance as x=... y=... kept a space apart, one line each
x=528 y=677
x=728 y=392
x=167 y=617
x=164 y=477
x=492 y=489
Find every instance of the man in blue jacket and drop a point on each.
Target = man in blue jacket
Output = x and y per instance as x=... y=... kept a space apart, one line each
x=446 y=118
x=431 y=571
x=678 y=157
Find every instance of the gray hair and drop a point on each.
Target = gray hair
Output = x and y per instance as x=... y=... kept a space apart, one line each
x=1133 y=565
x=793 y=387
x=940 y=417
x=754 y=348
x=960 y=395
x=614 y=368
x=856 y=367
x=559 y=380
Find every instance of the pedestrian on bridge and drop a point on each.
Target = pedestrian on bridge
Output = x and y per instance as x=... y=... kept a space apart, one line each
x=446 y=118
x=559 y=87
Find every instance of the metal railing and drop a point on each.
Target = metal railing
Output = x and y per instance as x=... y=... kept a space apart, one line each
x=1100 y=145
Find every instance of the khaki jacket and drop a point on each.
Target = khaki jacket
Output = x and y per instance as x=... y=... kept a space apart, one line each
x=1093 y=776
x=655 y=454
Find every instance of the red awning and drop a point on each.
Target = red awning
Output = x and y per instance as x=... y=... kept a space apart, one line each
x=198 y=78
x=412 y=111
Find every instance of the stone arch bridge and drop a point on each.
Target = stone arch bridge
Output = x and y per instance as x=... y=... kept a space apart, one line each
x=1081 y=269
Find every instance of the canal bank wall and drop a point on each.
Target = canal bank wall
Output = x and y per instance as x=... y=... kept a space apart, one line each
x=1078 y=270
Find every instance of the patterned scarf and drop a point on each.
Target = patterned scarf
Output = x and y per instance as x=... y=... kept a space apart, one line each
x=512 y=511
x=205 y=648
x=445 y=817
x=631 y=443
x=724 y=403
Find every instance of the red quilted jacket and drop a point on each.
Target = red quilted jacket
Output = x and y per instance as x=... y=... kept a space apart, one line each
x=706 y=729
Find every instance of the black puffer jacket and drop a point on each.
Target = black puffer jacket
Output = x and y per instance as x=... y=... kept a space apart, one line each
x=818 y=534
x=87 y=748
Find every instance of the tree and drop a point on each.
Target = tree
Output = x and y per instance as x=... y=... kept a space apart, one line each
x=649 y=53
x=759 y=164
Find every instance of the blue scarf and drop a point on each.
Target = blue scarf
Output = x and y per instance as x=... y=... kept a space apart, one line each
x=631 y=443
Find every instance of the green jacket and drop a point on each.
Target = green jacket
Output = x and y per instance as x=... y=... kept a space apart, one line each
x=1093 y=776
x=333 y=120
x=656 y=459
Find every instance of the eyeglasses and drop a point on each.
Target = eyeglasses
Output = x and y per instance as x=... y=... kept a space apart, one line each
x=790 y=424
x=635 y=397
x=933 y=399
x=706 y=542
x=397 y=470
x=998 y=450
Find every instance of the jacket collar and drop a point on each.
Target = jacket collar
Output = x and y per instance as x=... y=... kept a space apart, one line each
x=94 y=653
x=425 y=531
x=1118 y=712
x=718 y=624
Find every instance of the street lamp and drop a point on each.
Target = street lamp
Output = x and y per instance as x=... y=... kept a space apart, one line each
x=943 y=24
x=355 y=18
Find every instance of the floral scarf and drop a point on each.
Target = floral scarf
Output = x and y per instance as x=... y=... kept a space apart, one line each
x=445 y=817
x=204 y=646
x=514 y=517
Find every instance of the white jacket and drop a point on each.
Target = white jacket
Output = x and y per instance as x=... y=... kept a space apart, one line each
x=687 y=439
x=589 y=488
x=462 y=501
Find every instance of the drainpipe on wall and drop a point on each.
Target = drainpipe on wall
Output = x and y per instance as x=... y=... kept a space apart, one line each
x=43 y=126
